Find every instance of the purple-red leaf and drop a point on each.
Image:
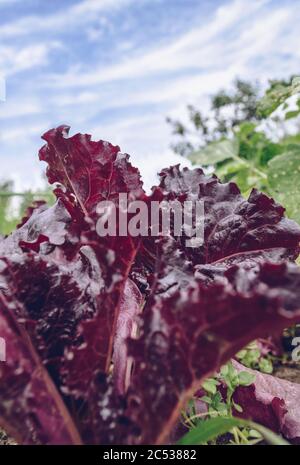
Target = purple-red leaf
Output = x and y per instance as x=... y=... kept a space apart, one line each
x=42 y=227
x=232 y=224
x=89 y=171
x=130 y=307
x=186 y=337
x=31 y=408
x=97 y=333
x=270 y=401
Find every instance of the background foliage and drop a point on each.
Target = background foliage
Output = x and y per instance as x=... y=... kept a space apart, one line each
x=247 y=139
x=14 y=204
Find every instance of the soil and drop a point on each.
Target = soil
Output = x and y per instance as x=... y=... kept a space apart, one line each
x=289 y=371
x=5 y=440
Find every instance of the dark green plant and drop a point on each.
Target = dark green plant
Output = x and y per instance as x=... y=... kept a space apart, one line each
x=251 y=357
x=12 y=212
x=227 y=110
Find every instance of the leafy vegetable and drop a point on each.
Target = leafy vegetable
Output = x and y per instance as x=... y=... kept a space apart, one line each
x=73 y=301
x=31 y=407
x=130 y=307
x=90 y=171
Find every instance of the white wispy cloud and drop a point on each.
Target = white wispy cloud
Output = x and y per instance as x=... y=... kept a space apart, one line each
x=65 y=18
x=191 y=50
x=15 y=59
x=215 y=62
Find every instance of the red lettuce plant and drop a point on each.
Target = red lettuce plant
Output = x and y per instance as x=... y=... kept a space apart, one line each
x=108 y=338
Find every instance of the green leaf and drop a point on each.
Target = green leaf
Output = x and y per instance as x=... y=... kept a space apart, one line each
x=215 y=152
x=210 y=385
x=254 y=434
x=212 y=428
x=292 y=114
x=206 y=399
x=222 y=409
x=227 y=170
x=277 y=95
x=283 y=176
x=224 y=370
x=238 y=408
x=291 y=139
x=269 y=436
x=241 y=354
x=208 y=430
x=266 y=366
x=246 y=378
x=296 y=84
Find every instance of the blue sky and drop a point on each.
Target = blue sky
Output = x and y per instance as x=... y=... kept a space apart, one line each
x=117 y=68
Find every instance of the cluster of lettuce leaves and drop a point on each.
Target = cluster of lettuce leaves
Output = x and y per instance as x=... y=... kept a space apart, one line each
x=108 y=338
